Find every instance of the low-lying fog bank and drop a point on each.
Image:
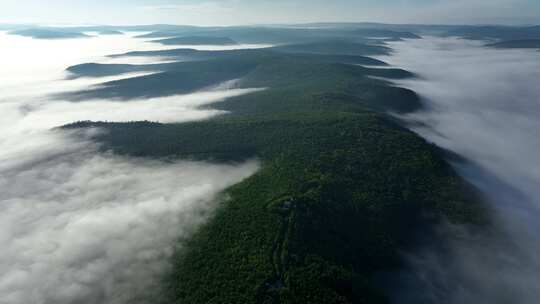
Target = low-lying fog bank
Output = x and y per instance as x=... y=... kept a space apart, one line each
x=78 y=226
x=483 y=104
x=82 y=227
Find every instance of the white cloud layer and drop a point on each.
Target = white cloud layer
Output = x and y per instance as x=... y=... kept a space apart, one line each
x=484 y=104
x=78 y=226
x=85 y=228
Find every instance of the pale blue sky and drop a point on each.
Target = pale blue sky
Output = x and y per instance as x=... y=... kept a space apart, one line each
x=230 y=12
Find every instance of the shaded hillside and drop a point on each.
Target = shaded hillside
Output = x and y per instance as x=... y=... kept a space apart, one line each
x=185 y=55
x=338 y=50
x=101 y=70
x=202 y=69
x=517 y=44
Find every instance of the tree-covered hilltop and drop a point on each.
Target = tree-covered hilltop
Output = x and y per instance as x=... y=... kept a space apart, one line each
x=197 y=40
x=343 y=189
x=517 y=44
x=45 y=33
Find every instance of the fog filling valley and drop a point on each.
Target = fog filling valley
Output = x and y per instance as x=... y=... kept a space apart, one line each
x=82 y=226
x=79 y=225
x=483 y=104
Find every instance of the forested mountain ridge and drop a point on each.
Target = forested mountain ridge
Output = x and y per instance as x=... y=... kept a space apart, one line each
x=343 y=187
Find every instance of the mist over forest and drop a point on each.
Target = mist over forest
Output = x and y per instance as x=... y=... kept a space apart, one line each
x=288 y=163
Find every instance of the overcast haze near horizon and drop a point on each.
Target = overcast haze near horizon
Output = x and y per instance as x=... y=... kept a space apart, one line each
x=238 y=12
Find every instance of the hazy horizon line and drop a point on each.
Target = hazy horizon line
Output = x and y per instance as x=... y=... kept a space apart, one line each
x=375 y=23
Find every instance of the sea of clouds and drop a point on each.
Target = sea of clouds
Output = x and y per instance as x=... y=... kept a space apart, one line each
x=78 y=225
x=483 y=104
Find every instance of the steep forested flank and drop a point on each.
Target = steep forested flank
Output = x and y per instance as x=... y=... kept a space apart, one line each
x=342 y=189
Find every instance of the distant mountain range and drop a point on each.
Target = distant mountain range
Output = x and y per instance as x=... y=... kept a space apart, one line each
x=375 y=33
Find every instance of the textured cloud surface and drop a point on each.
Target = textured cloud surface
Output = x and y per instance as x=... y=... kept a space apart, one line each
x=86 y=228
x=483 y=104
x=78 y=226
